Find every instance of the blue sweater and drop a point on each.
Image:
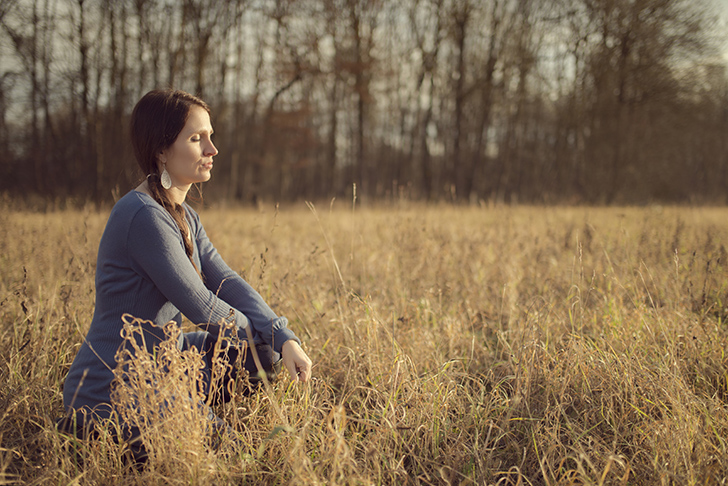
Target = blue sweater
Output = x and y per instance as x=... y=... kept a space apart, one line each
x=142 y=269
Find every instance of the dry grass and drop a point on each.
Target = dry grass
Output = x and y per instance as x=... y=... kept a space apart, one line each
x=451 y=346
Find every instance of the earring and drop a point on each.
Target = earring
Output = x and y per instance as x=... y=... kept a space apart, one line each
x=165 y=179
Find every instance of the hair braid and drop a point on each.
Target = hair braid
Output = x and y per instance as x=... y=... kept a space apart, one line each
x=178 y=214
x=156 y=121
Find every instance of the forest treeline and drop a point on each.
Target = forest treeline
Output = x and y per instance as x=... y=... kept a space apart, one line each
x=565 y=101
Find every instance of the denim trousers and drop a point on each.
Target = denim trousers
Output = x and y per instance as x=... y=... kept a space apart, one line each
x=234 y=359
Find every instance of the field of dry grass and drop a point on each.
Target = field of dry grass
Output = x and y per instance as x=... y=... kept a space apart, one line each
x=451 y=346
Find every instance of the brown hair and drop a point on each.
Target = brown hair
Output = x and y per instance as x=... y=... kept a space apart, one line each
x=157 y=120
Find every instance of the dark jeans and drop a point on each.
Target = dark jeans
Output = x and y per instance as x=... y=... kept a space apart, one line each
x=219 y=392
x=81 y=423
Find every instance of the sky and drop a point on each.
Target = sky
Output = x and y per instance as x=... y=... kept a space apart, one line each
x=721 y=8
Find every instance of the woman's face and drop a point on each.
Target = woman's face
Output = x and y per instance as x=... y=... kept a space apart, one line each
x=189 y=159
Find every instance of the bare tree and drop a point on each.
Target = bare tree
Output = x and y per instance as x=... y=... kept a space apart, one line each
x=570 y=100
x=426 y=19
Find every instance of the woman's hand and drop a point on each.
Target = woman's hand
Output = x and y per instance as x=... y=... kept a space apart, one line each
x=296 y=360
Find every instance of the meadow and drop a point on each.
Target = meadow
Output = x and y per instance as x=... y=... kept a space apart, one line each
x=451 y=345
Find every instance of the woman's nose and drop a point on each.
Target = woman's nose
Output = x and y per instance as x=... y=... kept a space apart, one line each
x=210 y=150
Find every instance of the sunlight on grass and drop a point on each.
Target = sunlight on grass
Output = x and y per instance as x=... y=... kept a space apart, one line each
x=451 y=346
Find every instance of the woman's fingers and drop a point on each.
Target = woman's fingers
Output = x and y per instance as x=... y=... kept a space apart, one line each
x=304 y=371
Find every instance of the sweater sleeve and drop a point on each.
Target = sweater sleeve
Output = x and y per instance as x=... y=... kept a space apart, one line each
x=231 y=288
x=156 y=250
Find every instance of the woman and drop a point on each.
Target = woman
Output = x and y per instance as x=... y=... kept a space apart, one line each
x=155 y=262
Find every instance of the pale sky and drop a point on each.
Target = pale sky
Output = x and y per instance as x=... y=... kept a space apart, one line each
x=721 y=7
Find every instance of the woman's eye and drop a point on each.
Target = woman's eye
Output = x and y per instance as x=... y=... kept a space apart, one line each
x=195 y=139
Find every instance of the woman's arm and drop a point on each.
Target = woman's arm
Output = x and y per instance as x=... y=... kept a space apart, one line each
x=156 y=251
x=231 y=288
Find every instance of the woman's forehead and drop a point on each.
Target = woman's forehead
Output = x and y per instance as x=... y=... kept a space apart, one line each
x=198 y=120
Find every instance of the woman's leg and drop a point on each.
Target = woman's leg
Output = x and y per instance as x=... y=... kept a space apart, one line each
x=269 y=360
x=218 y=389
x=84 y=424
x=229 y=356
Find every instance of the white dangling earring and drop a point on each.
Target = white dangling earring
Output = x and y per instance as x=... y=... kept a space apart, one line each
x=165 y=179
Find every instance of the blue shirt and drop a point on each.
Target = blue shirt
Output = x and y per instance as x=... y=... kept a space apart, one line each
x=142 y=269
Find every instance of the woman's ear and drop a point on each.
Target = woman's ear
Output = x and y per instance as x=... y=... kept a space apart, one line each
x=161 y=161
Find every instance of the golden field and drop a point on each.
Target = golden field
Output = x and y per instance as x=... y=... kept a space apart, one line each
x=452 y=345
